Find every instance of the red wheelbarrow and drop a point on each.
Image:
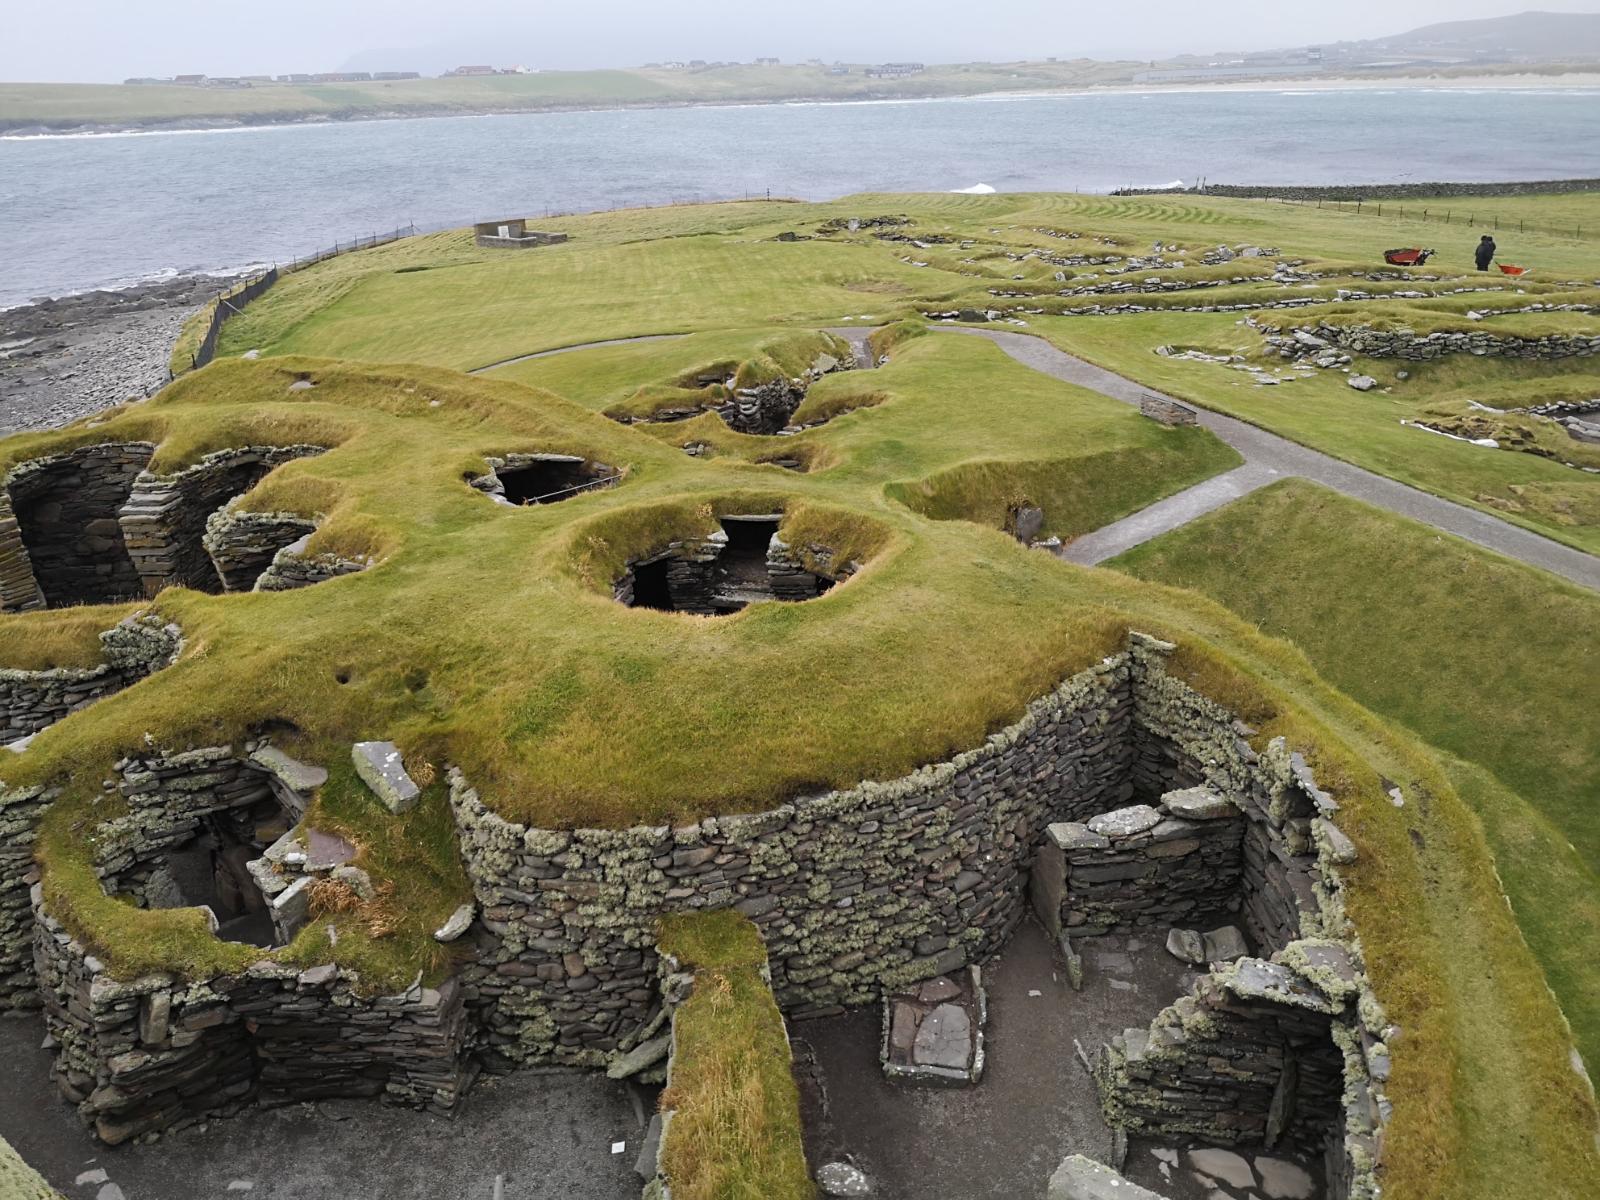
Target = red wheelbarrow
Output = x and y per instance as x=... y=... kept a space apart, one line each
x=1508 y=269
x=1411 y=257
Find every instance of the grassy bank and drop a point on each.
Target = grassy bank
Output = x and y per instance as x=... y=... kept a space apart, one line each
x=735 y=1128
x=1481 y=656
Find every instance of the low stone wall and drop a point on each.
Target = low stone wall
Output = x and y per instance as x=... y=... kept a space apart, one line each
x=32 y=700
x=1405 y=344
x=293 y=568
x=242 y=545
x=1167 y=412
x=1141 y=868
x=854 y=891
x=158 y=1053
x=60 y=542
x=165 y=520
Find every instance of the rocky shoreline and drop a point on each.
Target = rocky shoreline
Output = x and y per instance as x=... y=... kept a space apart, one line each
x=67 y=357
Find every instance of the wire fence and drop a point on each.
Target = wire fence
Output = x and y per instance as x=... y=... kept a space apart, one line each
x=1443 y=215
x=231 y=302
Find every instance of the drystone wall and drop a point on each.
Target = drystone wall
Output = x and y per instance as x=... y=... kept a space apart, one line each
x=242 y=545
x=60 y=541
x=164 y=521
x=1405 y=344
x=157 y=1053
x=1176 y=864
x=32 y=700
x=853 y=891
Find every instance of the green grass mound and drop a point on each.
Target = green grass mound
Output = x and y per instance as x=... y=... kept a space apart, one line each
x=735 y=1126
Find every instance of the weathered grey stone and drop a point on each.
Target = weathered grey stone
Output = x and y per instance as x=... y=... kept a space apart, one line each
x=641 y=1057
x=1074 y=835
x=291 y=772
x=456 y=925
x=1125 y=822
x=842 y=1179
x=380 y=768
x=1198 y=804
x=1186 y=945
x=1283 y=1180
x=1224 y=1166
x=1080 y=1178
x=1224 y=945
x=944 y=1039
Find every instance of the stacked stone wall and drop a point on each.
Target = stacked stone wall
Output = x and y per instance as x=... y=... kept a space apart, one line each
x=156 y=1053
x=32 y=700
x=60 y=541
x=853 y=891
x=242 y=545
x=1139 y=868
x=164 y=521
x=1414 y=347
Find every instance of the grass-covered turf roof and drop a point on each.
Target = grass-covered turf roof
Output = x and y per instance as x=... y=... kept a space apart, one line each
x=486 y=637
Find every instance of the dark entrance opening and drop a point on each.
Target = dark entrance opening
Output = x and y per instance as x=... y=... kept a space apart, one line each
x=550 y=478
x=212 y=869
x=66 y=515
x=740 y=575
x=650 y=588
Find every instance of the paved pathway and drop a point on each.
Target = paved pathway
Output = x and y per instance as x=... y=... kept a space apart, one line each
x=1268 y=457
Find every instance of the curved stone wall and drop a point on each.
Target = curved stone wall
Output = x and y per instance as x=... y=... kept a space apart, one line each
x=32 y=700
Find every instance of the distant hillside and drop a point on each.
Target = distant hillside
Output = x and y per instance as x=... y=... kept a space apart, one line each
x=1528 y=37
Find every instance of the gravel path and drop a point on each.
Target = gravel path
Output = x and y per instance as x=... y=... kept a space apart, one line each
x=1268 y=456
x=65 y=358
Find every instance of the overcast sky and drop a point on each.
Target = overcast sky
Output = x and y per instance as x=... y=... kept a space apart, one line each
x=101 y=40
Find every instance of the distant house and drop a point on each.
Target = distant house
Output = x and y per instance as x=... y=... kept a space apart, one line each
x=343 y=77
x=297 y=77
x=766 y=62
x=255 y=78
x=894 y=70
x=224 y=81
x=696 y=62
x=146 y=79
x=512 y=234
x=388 y=75
x=189 y=80
x=475 y=70
x=838 y=69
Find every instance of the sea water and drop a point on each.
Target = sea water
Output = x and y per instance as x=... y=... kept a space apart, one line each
x=83 y=211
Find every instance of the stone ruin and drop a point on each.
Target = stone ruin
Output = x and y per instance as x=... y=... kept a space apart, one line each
x=95 y=526
x=1123 y=800
x=521 y=479
x=724 y=572
x=763 y=410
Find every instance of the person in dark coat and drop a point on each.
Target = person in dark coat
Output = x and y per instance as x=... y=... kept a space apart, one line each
x=1485 y=252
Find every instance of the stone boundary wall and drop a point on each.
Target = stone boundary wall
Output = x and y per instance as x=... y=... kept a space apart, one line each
x=134 y=648
x=1374 y=191
x=72 y=551
x=165 y=519
x=1377 y=343
x=853 y=891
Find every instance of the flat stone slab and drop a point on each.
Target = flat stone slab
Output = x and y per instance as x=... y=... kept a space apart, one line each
x=380 y=768
x=1074 y=835
x=1125 y=822
x=1080 y=1178
x=457 y=924
x=1283 y=1180
x=291 y=772
x=325 y=851
x=933 y=1031
x=1198 y=804
x=1223 y=1166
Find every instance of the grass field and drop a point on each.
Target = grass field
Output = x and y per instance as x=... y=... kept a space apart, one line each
x=486 y=637
x=1485 y=658
x=713 y=268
